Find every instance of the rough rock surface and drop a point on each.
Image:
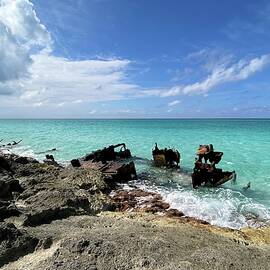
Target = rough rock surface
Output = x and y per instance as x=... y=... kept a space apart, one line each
x=139 y=241
x=44 y=192
x=14 y=243
x=68 y=192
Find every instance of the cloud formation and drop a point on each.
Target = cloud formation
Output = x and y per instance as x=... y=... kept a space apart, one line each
x=20 y=33
x=222 y=74
x=60 y=81
x=32 y=76
x=29 y=70
x=173 y=103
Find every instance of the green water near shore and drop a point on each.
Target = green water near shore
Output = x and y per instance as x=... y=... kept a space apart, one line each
x=245 y=143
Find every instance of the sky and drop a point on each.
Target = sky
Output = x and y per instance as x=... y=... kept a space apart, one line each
x=134 y=59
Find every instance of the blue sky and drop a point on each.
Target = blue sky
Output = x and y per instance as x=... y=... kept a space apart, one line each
x=134 y=59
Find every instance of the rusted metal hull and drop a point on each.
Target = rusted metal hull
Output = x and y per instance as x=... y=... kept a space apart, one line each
x=115 y=166
x=213 y=179
x=159 y=160
x=227 y=176
x=166 y=157
x=114 y=170
x=207 y=174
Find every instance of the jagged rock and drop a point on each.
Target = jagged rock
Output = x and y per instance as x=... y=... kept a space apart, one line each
x=8 y=185
x=46 y=206
x=44 y=243
x=24 y=160
x=8 y=209
x=4 y=164
x=75 y=163
x=68 y=192
x=51 y=161
x=14 y=243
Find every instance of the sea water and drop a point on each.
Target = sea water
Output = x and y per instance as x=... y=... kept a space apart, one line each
x=245 y=143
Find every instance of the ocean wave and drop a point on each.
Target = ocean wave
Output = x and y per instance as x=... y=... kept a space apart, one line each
x=221 y=207
x=22 y=150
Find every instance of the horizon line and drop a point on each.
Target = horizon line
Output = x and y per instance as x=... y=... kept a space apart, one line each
x=139 y=118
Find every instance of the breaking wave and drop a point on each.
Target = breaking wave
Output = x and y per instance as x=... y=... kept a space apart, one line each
x=222 y=207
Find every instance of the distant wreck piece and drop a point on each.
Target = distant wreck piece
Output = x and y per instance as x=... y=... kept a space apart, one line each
x=207 y=173
x=47 y=151
x=166 y=157
x=113 y=164
x=11 y=143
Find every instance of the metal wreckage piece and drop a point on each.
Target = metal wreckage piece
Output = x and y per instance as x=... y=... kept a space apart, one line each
x=169 y=158
x=205 y=173
x=113 y=164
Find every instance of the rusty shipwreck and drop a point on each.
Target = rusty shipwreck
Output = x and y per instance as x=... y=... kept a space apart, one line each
x=205 y=171
x=166 y=157
x=114 y=164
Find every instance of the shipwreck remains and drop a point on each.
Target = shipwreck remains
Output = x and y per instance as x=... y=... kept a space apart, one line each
x=166 y=157
x=11 y=144
x=115 y=165
x=207 y=173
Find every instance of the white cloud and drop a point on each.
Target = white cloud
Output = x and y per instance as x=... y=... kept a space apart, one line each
x=220 y=75
x=66 y=81
x=20 y=33
x=29 y=70
x=21 y=20
x=173 y=103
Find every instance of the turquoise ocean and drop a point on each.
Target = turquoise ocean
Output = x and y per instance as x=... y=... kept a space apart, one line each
x=245 y=143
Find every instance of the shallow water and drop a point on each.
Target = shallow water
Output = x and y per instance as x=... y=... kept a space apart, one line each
x=245 y=143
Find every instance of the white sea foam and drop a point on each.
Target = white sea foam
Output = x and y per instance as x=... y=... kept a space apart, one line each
x=222 y=207
x=22 y=150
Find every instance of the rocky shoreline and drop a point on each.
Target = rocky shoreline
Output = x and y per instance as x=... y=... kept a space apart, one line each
x=74 y=218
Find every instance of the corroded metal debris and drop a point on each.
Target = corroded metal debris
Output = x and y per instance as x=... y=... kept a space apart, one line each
x=166 y=157
x=207 y=173
x=115 y=165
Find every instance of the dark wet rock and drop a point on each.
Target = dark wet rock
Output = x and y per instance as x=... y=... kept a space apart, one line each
x=8 y=209
x=51 y=161
x=51 y=157
x=14 y=243
x=8 y=185
x=24 y=160
x=75 y=163
x=4 y=164
x=14 y=160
